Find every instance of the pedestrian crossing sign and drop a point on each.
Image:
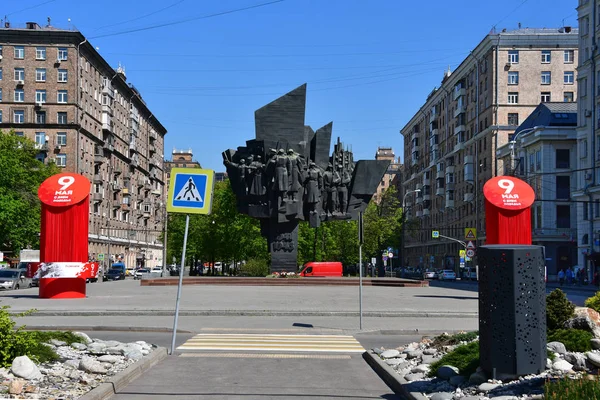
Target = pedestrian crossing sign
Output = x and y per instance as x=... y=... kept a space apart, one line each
x=470 y=233
x=190 y=191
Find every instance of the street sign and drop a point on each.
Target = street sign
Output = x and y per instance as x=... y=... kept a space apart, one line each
x=470 y=253
x=373 y=260
x=470 y=233
x=461 y=253
x=508 y=193
x=391 y=255
x=191 y=191
x=63 y=190
x=101 y=257
x=385 y=258
x=435 y=234
x=470 y=245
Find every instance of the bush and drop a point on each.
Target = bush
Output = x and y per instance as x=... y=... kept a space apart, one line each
x=594 y=302
x=573 y=339
x=465 y=358
x=255 y=267
x=445 y=340
x=572 y=389
x=14 y=342
x=558 y=309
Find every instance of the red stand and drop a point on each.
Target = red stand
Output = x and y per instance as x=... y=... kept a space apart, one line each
x=64 y=231
x=507 y=210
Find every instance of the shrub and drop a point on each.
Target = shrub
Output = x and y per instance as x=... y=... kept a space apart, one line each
x=255 y=267
x=465 y=358
x=558 y=309
x=14 y=342
x=573 y=339
x=594 y=302
x=445 y=340
x=572 y=389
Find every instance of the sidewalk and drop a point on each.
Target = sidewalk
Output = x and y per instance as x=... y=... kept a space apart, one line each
x=587 y=288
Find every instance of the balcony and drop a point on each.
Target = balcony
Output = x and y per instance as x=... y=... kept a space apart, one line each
x=414 y=162
x=108 y=146
x=134 y=163
x=435 y=131
x=133 y=131
x=98 y=197
x=151 y=148
x=433 y=116
x=450 y=169
x=440 y=174
x=107 y=109
x=153 y=135
x=459 y=128
x=458 y=93
x=427 y=197
x=107 y=125
x=146 y=214
x=459 y=146
x=116 y=203
x=42 y=147
x=426 y=179
x=419 y=200
x=469 y=197
x=148 y=185
x=125 y=206
x=108 y=90
x=459 y=110
x=99 y=157
x=439 y=191
x=450 y=185
x=98 y=178
x=413 y=136
x=134 y=116
x=156 y=192
x=426 y=212
x=418 y=213
x=117 y=186
x=125 y=191
x=449 y=202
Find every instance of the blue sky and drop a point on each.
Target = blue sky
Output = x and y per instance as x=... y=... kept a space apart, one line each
x=369 y=65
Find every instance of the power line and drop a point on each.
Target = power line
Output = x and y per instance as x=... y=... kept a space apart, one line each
x=141 y=16
x=509 y=14
x=181 y=21
x=31 y=7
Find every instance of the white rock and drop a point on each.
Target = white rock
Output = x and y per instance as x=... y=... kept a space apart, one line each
x=595 y=344
x=78 y=346
x=556 y=347
x=85 y=337
x=134 y=355
x=88 y=364
x=145 y=352
x=394 y=361
x=109 y=359
x=562 y=365
x=486 y=386
x=421 y=368
x=390 y=354
x=593 y=358
x=25 y=368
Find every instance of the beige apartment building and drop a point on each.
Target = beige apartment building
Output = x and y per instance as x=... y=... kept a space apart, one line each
x=57 y=90
x=450 y=143
x=179 y=159
x=387 y=154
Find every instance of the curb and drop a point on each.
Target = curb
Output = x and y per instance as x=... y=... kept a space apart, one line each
x=390 y=377
x=103 y=328
x=107 y=389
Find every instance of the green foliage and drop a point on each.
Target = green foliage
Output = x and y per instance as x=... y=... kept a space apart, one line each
x=558 y=309
x=382 y=224
x=332 y=241
x=63 y=336
x=573 y=339
x=255 y=267
x=445 y=340
x=594 y=302
x=551 y=355
x=465 y=358
x=572 y=389
x=20 y=179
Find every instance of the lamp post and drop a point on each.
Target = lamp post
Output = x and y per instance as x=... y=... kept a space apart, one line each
x=402 y=260
x=513 y=144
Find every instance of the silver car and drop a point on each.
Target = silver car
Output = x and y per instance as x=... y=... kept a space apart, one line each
x=14 y=279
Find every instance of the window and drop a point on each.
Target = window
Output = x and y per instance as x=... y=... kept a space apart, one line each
x=19 y=74
x=0 y=74
x=513 y=78
x=0 y=94
x=569 y=77
x=513 y=119
x=19 y=52
x=568 y=97
x=19 y=116
x=538 y=160
x=19 y=95
x=61 y=138
x=61 y=96
x=61 y=118
x=546 y=56
x=19 y=134
x=545 y=97
x=563 y=217
x=546 y=77
x=40 y=74
x=513 y=97
x=40 y=117
x=62 y=54
x=513 y=56
x=586 y=211
x=40 y=53
x=0 y=116
x=563 y=158
x=62 y=75
x=61 y=160
x=40 y=96
x=40 y=138
x=569 y=56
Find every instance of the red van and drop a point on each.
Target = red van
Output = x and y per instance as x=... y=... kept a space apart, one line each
x=324 y=268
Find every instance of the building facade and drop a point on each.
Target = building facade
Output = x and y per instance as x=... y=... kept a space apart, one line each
x=451 y=142
x=543 y=153
x=587 y=181
x=180 y=159
x=57 y=90
x=387 y=154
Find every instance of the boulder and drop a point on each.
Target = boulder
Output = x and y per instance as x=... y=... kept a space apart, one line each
x=414 y=354
x=134 y=355
x=556 y=347
x=390 y=353
x=562 y=365
x=96 y=348
x=430 y=352
x=16 y=386
x=78 y=346
x=593 y=358
x=24 y=368
x=426 y=359
x=88 y=364
x=109 y=359
x=595 y=344
x=414 y=377
x=85 y=337
x=394 y=361
x=577 y=359
x=457 y=380
x=486 y=387
x=57 y=343
x=446 y=372
x=442 y=396
x=421 y=368
x=586 y=319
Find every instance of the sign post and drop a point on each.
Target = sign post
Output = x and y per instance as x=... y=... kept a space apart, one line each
x=360 y=269
x=190 y=192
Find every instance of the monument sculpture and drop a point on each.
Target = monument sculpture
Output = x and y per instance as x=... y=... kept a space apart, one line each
x=286 y=175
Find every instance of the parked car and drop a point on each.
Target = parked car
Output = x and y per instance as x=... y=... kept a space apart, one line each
x=140 y=272
x=470 y=274
x=114 y=274
x=14 y=279
x=447 y=275
x=429 y=275
x=157 y=271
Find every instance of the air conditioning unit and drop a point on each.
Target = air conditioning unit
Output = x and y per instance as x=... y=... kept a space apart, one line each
x=0 y=56
x=588 y=176
x=57 y=147
x=20 y=82
x=39 y=103
x=588 y=113
x=58 y=60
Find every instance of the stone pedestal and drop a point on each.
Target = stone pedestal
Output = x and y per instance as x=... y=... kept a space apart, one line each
x=283 y=245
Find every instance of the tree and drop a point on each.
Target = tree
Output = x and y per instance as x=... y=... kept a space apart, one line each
x=383 y=223
x=22 y=174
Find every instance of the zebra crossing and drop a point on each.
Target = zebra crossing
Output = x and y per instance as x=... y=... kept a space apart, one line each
x=272 y=343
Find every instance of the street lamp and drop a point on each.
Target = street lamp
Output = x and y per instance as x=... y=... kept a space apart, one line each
x=513 y=144
x=403 y=259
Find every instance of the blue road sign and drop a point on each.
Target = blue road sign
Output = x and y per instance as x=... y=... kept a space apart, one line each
x=190 y=191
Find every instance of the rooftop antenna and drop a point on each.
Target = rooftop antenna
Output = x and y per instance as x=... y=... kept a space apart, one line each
x=519 y=24
x=69 y=21
x=49 y=19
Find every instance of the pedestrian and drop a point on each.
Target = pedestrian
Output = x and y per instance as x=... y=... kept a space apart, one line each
x=569 y=275
x=561 y=277
x=578 y=276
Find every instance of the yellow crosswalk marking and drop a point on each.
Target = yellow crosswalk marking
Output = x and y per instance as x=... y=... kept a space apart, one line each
x=273 y=342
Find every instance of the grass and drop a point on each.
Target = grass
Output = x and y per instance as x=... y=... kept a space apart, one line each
x=573 y=339
x=449 y=340
x=464 y=357
x=572 y=389
x=43 y=353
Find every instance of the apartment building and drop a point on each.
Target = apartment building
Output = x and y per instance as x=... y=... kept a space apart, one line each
x=180 y=159
x=586 y=193
x=387 y=154
x=57 y=90
x=543 y=152
x=451 y=141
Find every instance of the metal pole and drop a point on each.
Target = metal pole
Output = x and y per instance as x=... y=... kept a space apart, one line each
x=164 y=266
x=360 y=268
x=185 y=236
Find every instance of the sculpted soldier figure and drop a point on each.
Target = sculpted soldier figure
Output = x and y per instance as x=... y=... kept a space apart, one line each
x=280 y=165
x=343 y=190
x=257 y=189
x=314 y=185
x=330 y=181
x=240 y=175
x=296 y=173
